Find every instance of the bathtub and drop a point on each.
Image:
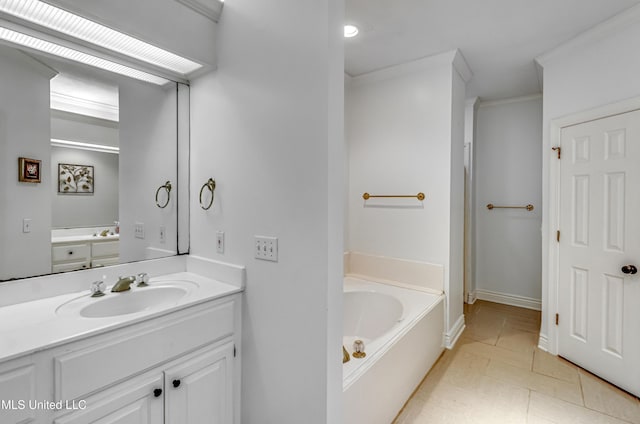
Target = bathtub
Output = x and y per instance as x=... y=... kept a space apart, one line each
x=402 y=330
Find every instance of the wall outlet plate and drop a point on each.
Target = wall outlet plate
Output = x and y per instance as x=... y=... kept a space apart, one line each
x=266 y=248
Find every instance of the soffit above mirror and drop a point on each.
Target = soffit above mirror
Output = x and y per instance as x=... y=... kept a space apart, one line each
x=167 y=24
x=85 y=94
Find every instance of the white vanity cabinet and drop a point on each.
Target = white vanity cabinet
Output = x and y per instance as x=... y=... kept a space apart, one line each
x=199 y=390
x=176 y=368
x=84 y=254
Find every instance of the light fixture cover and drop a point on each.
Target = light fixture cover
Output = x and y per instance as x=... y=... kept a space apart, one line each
x=60 y=20
x=84 y=146
x=67 y=53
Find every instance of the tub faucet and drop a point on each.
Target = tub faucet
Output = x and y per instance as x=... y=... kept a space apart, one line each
x=123 y=284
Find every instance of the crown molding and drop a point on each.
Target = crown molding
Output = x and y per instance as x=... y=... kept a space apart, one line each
x=460 y=64
x=600 y=31
x=77 y=105
x=510 y=100
x=407 y=68
x=211 y=9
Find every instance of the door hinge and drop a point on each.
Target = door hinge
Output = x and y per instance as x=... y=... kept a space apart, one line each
x=558 y=150
x=558 y=236
x=557 y=318
x=234 y=351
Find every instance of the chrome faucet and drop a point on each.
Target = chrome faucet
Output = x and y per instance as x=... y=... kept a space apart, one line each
x=123 y=284
x=142 y=279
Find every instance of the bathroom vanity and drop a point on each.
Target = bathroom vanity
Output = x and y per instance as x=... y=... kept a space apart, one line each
x=167 y=353
x=82 y=252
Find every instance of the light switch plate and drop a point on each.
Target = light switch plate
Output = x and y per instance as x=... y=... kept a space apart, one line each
x=139 y=230
x=266 y=248
x=26 y=225
x=220 y=241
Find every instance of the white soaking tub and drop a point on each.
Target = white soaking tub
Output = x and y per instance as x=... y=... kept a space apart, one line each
x=402 y=330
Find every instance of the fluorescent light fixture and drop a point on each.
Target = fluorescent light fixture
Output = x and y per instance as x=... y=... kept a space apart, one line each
x=60 y=20
x=85 y=146
x=350 y=31
x=67 y=53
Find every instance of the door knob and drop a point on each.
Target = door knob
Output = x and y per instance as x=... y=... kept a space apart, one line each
x=629 y=269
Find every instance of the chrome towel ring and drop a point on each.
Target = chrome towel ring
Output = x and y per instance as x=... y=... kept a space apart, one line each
x=211 y=185
x=167 y=187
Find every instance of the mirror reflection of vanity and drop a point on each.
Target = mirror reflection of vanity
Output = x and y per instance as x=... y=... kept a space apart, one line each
x=107 y=144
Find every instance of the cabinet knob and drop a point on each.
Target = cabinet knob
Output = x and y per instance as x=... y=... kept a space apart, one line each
x=176 y=383
x=157 y=392
x=71 y=252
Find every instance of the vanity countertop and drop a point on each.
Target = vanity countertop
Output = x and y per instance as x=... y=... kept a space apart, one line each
x=29 y=327
x=84 y=238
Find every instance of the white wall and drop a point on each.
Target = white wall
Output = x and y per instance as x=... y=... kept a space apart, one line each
x=85 y=210
x=267 y=126
x=148 y=149
x=597 y=68
x=74 y=127
x=405 y=130
x=508 y=171
x=24 y=132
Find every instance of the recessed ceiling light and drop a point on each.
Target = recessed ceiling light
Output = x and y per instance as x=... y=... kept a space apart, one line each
x=60 y=20
x=77 y=56
x=350 y=31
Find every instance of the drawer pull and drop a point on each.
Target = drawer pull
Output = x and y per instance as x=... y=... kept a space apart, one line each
x=176 y=383
x=157 y=392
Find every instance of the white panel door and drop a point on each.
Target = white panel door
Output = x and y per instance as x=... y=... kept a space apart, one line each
x=200 y=390
x=599 y=301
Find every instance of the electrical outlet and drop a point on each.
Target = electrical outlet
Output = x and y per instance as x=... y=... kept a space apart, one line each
x=266 y=248
x=26 y=225
x=220 y=241
x=163 y=234
x=139 y=230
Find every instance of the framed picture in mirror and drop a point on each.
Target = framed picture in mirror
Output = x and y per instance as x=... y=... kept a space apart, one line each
x=75 y=179
x=29 y=170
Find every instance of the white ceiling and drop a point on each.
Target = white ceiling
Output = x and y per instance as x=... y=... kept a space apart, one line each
x=499 y=38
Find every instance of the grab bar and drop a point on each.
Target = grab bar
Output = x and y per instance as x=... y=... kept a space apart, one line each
x=528 y=207
x=420 y=196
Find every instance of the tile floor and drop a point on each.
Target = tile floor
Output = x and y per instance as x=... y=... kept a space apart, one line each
x=496 y=374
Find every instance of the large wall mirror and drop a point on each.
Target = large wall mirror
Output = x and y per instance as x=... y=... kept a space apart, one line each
x=89 y=166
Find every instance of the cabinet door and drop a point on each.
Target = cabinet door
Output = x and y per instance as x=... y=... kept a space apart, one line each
x=139 y=401
x=200 y=390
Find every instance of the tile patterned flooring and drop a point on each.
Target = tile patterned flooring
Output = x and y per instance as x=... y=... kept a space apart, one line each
x=496 y=374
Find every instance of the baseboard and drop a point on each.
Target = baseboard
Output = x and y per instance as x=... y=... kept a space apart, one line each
x=543 y=342
x=509 y=299
x=471 y=297
x=452 y=336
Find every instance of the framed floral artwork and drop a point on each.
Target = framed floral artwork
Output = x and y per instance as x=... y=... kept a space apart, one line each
x=29 y=170
x=75 y=179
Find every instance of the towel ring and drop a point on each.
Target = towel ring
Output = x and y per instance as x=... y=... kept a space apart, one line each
x=167 y=187
x=211 y=185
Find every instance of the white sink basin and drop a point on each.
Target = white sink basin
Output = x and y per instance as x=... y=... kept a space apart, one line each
x=133 y=301
x=138 y=299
